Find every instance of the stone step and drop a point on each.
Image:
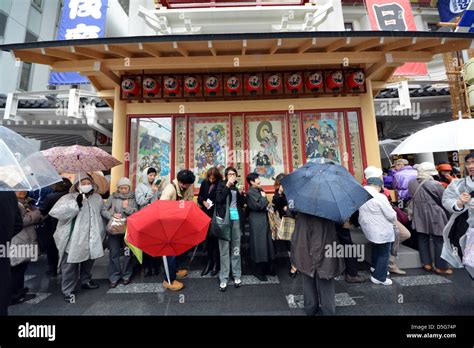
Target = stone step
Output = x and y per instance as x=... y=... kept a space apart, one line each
x=407 y=257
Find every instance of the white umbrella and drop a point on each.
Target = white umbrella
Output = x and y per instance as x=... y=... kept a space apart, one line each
x=450 y=136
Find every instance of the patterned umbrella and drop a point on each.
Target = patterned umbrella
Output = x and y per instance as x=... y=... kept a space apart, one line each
x=76 y=159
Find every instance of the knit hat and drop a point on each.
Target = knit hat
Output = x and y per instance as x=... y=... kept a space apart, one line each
x=372 y=172
x=375 y=181
x=427 y=168
x=151 y=170
x=124 y=182
x=445 y=167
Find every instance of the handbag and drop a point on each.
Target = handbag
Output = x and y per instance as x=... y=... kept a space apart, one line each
x=287 y=227
x=401 y=215
x=274 y=221
x=220 y=227
x=116 y=226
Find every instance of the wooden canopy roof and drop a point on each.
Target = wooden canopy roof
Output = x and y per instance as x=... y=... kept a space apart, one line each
x=103 y=61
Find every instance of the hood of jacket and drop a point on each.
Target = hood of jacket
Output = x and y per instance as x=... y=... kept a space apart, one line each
x=145 y=177
x=75 y=186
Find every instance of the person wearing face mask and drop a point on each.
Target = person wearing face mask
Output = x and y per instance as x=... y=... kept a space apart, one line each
x=79 y=234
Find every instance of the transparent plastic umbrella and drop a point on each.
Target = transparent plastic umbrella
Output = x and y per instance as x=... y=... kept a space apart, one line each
x=22 y=167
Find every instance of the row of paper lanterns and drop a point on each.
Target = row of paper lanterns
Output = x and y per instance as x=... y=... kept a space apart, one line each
x=254 y=84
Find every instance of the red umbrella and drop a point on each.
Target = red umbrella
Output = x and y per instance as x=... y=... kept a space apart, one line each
x=167 y=228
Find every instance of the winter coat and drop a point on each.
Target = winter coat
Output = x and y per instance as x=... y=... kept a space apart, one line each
x=428 y=216
x=12 y=220
x=205 y=194
x=172 y=191
x=27 y=236
x=450 y=197
x=401 y=180
x=114 y=205
x=222 y=194
x=144 y=194
x=309 y=245
x=83 y=241
x=377 y=218
x=261 y=245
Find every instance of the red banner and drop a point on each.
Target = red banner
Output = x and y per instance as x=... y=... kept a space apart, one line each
x=390 y=15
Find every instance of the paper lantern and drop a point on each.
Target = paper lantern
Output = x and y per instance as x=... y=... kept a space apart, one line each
x=192 y=85
x=294 y=83
x=314 y=82
x=233 y=85
x=171 y=86
x=130 y=88
x=355 y=80
x=254 y=84
x=335 y=80
x=273 y=84
x=150 y=87
x=212 y=85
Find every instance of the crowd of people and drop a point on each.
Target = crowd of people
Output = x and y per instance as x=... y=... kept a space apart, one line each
x=74 y=220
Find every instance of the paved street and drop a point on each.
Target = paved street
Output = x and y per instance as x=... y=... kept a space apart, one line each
x=418 y=293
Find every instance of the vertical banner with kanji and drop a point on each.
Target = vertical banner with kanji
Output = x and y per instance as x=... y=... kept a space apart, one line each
x=80 y=19
x=391 y=15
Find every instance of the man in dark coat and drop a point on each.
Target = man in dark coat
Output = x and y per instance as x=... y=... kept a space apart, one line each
x=11 y=224
x=310 y=243
x=261 y=244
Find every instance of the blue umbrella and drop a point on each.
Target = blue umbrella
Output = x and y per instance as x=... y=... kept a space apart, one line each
x=325 y=190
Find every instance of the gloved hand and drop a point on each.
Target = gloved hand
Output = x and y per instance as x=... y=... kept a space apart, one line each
x=79 y=200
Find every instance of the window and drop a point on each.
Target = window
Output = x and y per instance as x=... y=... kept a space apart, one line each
x=27 y=68
x=30 y=37
x=37 y=4
x=125 y=4
x=3 y=23
x=348 y=27
x=25 y=76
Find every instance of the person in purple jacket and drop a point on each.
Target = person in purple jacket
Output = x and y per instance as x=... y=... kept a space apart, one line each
x=404 y=174
x=388 y=178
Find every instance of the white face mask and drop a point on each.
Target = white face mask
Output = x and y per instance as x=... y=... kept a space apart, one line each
x=85 y=188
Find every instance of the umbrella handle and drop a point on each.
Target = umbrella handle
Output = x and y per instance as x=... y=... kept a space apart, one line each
x=167 y=271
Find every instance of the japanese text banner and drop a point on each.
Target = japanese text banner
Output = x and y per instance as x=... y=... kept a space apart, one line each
x=80 y=19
